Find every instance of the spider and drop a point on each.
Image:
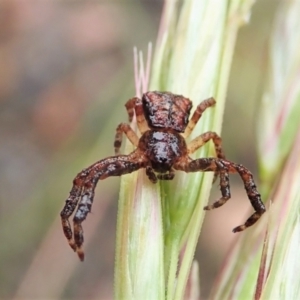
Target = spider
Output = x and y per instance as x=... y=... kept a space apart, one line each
x=163 y=121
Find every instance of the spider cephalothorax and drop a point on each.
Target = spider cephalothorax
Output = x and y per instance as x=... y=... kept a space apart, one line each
x=163 y=121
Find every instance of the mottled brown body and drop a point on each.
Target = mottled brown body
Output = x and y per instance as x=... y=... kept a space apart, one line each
x=166 y=110
x=163 y=120
x=162 y=149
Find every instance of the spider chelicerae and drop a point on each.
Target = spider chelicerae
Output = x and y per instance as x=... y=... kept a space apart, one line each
x=163 y=121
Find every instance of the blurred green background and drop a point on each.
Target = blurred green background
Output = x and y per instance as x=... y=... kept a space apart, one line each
x=66 y=71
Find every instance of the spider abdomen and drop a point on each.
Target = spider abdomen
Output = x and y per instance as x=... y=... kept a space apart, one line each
x=166 y=110
x=163 y=149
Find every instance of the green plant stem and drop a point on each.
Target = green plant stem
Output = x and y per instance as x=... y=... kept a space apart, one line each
x=192 y=58
x=172 y=270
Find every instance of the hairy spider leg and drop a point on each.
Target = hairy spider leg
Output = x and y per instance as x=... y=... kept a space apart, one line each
x=197 y=115
x=131 y=135
x=70 y=206
x=86 y=182
x=135 y=104
x=223 y=167
x=202 y=139
x=140 y=117
x=130 y=104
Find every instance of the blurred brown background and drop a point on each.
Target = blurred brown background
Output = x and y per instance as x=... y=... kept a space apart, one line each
x=66 y=71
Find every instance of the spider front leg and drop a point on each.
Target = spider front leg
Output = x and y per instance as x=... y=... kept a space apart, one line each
x=225 y=191
x=223 y=167
x=83 y=190
x=202 y=139
x=70 y=206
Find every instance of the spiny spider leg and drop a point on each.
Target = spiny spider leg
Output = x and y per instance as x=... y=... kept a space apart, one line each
x=197 y=115
x=140 y=117
x=135 y=105
x=199 y=141
x=224 y=188
x=86 y=182
x=130 y=104
x=221 y=165
x=131 y=135
x=70 y=206
x=202 y=139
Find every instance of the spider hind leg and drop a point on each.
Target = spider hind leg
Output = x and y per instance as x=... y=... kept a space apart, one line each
x=197 y=115
x=131 y=135
x=135 y=105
